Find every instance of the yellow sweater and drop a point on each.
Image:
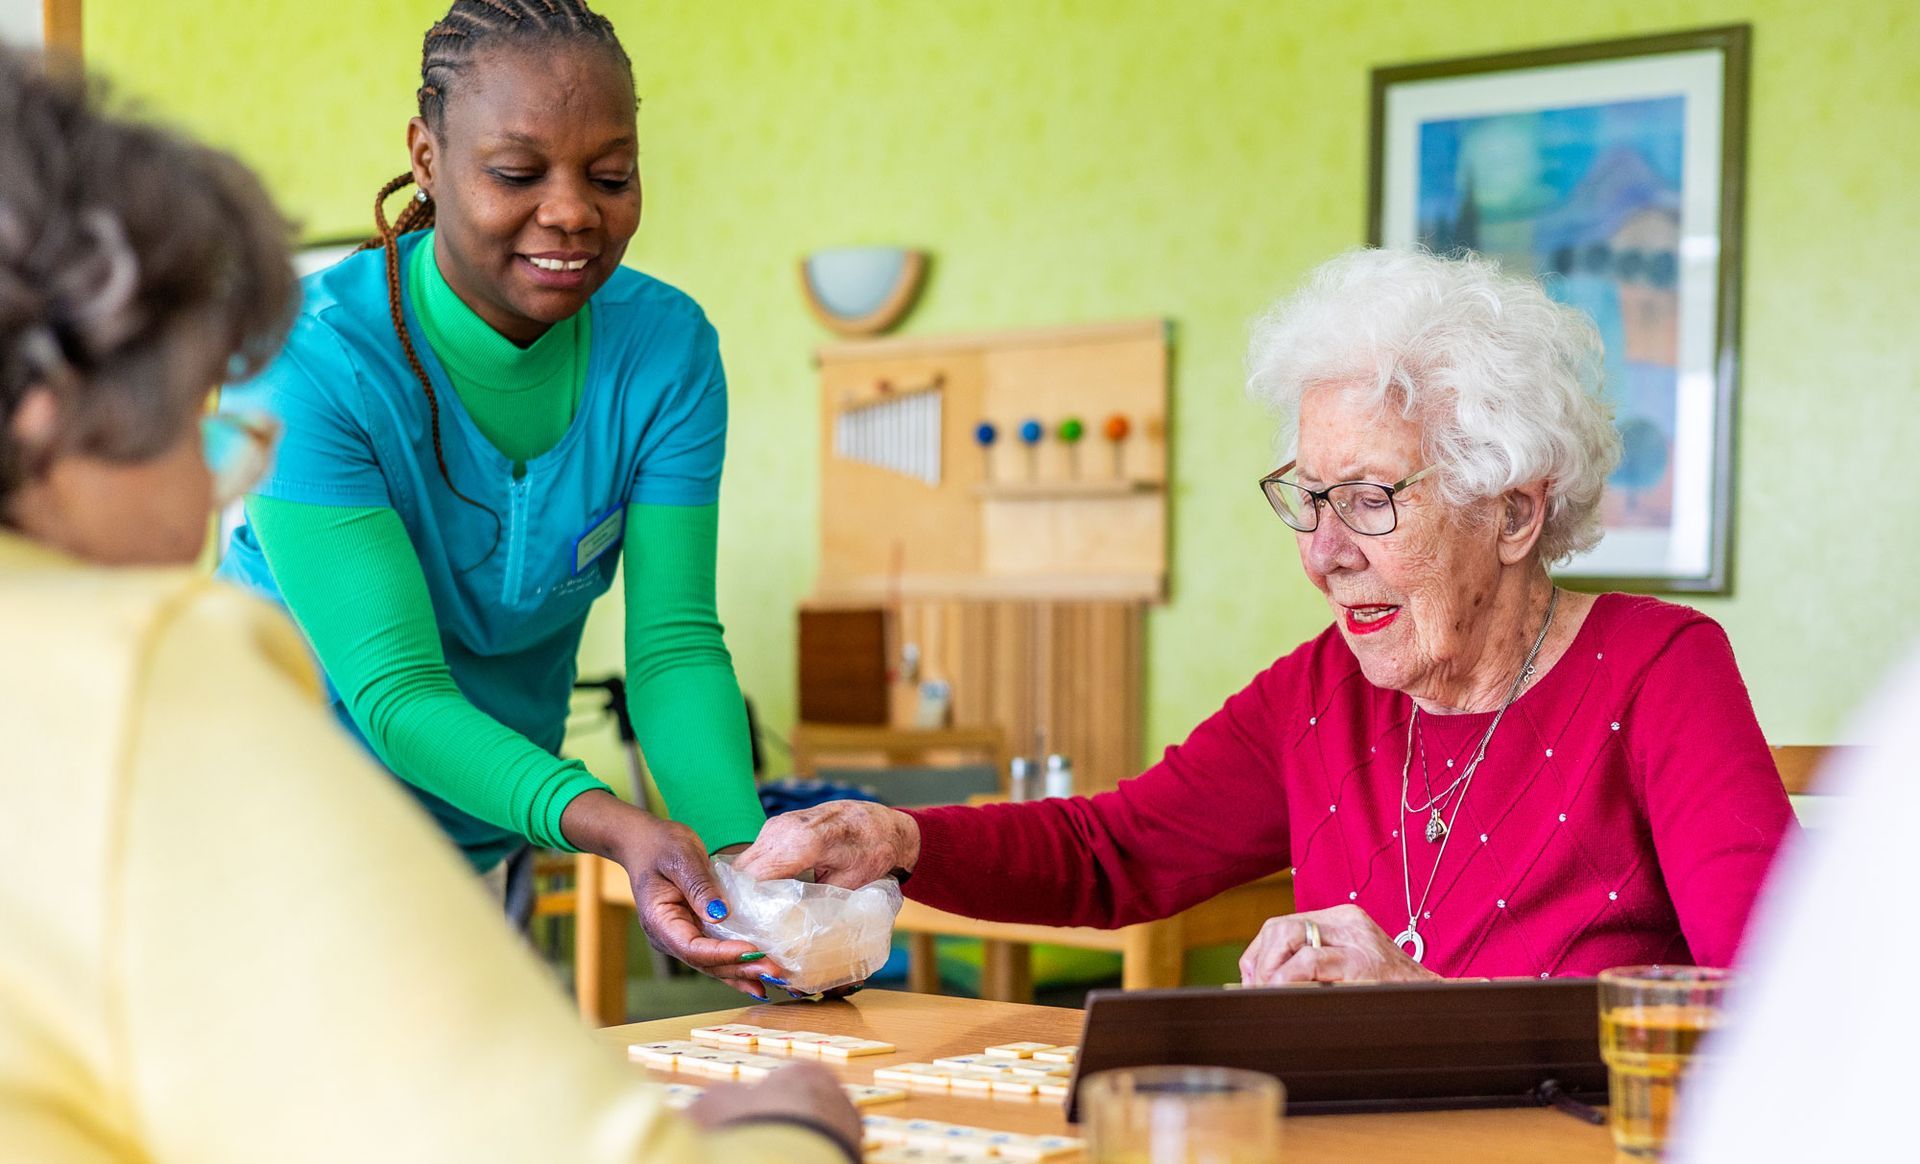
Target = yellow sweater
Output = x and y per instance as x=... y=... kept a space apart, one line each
x=225 y=937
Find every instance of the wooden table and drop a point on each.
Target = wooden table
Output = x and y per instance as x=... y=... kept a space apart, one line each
x=927 y=1027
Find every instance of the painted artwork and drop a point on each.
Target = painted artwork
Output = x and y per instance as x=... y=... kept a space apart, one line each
x=1589 y=198
x=1610 y=172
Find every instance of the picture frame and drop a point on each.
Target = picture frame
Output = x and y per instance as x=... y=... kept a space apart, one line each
x=320 y=253
x=311 y=256
x=1615 y=171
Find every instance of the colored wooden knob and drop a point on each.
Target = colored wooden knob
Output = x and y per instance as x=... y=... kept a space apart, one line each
x=984 y=434
x=1071 y=430
x=1117 y=428
x=1031 y=432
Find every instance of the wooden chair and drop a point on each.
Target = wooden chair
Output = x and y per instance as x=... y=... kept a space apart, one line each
x=1800 y=764
x=603 y=909
x=1152 y=954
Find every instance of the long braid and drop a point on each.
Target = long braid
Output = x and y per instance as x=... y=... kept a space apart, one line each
x=417 y=216
x=446 y=52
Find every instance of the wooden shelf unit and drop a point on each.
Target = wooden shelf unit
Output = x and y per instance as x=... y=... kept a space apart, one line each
x=1007 y=517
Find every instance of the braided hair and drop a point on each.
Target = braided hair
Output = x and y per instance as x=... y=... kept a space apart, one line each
x=446 y=55
x=137 y=269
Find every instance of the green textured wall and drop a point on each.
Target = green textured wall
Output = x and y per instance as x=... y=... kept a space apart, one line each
x=1095 y=160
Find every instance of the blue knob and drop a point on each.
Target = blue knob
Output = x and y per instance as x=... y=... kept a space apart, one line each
x=984 y=434
x=1031 y=432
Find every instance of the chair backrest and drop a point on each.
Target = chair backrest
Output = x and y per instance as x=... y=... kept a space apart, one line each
x=1800 y=765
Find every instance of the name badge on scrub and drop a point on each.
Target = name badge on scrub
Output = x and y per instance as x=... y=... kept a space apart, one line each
x=602 y=534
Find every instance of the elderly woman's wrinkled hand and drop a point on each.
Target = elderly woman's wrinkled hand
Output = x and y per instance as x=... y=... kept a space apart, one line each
x=844 y=842
x=1352 y=948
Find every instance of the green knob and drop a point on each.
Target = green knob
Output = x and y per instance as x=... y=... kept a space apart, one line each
x=1072 y=430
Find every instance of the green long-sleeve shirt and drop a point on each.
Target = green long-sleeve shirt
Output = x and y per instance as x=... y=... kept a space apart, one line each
x=350 y=577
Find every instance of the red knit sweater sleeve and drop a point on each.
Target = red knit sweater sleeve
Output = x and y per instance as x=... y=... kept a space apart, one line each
x=1210 y=815
x=1711 y=793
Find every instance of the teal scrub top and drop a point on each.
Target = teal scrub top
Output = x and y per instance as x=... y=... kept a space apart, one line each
x=511 y=584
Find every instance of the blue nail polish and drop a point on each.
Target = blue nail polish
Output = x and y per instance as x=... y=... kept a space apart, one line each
x=770 y=980
x=717 y=909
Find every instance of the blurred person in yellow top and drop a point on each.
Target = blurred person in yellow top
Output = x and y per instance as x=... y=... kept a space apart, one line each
x=224 y=935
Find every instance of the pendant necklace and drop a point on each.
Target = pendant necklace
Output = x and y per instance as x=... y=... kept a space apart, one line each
x=1409 y=939
x=1436 y=828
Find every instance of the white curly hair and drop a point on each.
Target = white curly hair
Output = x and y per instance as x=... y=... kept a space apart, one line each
x=1505 y=381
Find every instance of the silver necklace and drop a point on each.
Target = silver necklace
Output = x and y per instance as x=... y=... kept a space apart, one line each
x=1435 y=801
x=1410 y=937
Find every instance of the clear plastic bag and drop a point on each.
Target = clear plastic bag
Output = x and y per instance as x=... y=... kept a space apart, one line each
x=823 y=935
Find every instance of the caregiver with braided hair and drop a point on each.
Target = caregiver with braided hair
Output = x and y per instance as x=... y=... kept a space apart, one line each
x=484 y=411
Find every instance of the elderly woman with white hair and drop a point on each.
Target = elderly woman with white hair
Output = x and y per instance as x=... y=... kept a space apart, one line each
x=1471 y=772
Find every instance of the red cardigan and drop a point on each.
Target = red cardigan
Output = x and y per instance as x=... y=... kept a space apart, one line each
x=1626 y=812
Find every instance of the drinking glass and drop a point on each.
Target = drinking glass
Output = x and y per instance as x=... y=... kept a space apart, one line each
x=1652 y=1019
x=1181 y=1115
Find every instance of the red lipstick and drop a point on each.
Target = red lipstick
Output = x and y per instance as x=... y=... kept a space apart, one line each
x=1357 y=627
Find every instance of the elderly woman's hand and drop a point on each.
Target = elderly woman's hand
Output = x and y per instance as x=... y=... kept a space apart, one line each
x=845 y=842
x=805 y=1093
x=1352 y=949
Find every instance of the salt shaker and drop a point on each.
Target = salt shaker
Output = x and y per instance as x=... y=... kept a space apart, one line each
x=1059 y=780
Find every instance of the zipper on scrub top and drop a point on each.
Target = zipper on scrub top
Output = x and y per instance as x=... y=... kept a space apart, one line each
x=516 y=540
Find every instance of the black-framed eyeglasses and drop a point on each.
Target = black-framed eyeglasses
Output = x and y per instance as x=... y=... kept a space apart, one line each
x=1365 y=507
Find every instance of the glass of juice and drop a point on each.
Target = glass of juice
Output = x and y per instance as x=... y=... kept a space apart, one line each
x=1181 y=1115
x=1652 y=1019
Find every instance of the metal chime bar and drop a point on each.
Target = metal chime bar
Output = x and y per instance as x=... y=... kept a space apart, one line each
x=900 y=434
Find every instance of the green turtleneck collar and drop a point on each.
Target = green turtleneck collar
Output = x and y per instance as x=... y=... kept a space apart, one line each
x=522 y=399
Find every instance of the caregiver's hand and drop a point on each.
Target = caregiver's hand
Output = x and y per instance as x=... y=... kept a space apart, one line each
x=672 y=886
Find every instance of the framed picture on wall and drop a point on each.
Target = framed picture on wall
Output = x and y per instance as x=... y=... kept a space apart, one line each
x=1614 y=171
